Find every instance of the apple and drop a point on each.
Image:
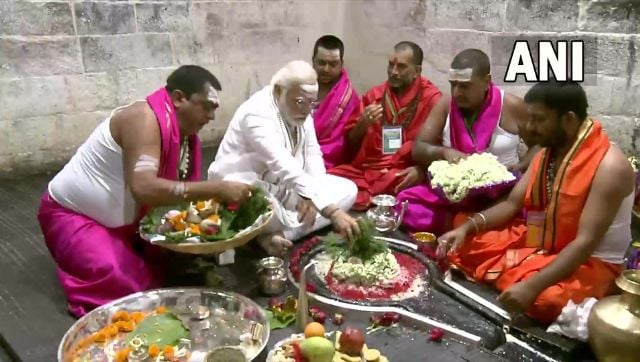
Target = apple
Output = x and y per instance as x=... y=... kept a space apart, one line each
x=351 y=341
x=317 y=349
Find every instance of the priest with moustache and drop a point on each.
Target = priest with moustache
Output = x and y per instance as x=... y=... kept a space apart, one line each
x=577 y=195
x=381 y=131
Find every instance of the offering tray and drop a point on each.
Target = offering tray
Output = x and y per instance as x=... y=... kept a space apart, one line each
x=479 y=194
x=433 y=307
x=213 y=318
x=409 y=337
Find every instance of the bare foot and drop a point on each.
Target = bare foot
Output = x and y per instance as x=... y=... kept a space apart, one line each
x=274 y=244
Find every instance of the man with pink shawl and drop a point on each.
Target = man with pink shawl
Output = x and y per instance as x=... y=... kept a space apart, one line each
x=143 y=155
x=478 y=117
x=337 y=99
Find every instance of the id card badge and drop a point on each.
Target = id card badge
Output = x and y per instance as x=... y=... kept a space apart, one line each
x=391 y=139
x=535 y=228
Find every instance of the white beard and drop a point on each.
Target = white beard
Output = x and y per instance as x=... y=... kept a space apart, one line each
x=282 y=107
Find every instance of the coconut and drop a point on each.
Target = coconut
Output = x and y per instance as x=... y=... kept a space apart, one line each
x=171 y=214
x=206 y=223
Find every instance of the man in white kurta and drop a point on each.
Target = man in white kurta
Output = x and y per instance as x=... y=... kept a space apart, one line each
x=271 y=142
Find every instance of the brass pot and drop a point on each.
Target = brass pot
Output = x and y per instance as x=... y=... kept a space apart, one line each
x=614 y=322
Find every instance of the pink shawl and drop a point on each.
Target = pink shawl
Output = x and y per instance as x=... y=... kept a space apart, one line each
x=95 y=264
x=482 y=129
x=161 y=104
x=330 y=118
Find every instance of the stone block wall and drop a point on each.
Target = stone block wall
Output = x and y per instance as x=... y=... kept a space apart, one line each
x=443 y=28
x=65 y=64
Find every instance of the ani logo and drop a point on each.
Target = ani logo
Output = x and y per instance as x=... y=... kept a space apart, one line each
x=566 y=63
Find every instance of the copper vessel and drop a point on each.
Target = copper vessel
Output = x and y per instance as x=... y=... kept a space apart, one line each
x=614 y=322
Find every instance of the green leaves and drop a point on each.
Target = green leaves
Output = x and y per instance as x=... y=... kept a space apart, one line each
x=160 y=329
x=364 y=247
x=283 y=314
x=233 y=219
x=249 y=211
x=281 y=321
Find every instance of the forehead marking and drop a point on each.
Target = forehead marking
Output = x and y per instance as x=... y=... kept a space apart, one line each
x=460 y=75
x=212 y=95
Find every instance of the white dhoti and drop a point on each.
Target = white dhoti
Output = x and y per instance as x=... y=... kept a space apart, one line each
x=338 y=190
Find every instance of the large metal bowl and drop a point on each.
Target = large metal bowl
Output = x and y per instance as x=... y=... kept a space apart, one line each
x=214 y=318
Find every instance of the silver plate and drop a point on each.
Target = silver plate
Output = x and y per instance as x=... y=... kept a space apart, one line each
x=214 y=318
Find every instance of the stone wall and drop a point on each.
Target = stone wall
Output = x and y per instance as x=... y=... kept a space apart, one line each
x=443 y=28
x=65 y=64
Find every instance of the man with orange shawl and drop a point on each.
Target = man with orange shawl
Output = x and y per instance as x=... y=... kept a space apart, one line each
x=577 y=193
x=337 y=99
x=143 y=155
x=380 y=133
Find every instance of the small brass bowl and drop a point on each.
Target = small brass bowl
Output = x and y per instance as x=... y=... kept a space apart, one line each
x=424 y=238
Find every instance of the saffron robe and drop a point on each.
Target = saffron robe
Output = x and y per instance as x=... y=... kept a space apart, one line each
x=504 y=257
x=372 y=171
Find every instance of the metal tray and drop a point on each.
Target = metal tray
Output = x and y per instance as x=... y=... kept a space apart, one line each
x=214 y=318
x=408 y=338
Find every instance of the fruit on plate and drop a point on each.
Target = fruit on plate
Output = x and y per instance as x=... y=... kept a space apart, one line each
x=314 y=329
x=366 y=354
x=351 y=341
x=317 y=349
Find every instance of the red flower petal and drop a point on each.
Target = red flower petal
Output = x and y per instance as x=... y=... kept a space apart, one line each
x=319 y=317
x=233 y=207
x=311 y=288
x=436 y=335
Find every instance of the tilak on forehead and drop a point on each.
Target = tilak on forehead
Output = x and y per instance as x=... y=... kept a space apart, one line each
x=311 y=89
x=460 y=75
x=212 y=96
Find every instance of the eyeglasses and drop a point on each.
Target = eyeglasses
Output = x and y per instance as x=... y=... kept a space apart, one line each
x=305 y=104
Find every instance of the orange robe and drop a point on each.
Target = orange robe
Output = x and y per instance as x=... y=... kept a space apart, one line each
x=505 y=256
x=371 y=170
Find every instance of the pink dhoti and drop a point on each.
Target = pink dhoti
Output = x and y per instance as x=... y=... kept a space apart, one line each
x=428 y=211
x=95 y=264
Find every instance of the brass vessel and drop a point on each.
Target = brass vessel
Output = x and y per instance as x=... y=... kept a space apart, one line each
x=614 y=322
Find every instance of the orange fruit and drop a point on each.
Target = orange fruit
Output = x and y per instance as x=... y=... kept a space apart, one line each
x=314 y=329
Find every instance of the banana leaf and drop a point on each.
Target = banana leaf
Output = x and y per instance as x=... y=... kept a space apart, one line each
x=160 y=329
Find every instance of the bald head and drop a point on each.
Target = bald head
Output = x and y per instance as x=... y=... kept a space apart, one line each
x=472 y=59
x=415 y=49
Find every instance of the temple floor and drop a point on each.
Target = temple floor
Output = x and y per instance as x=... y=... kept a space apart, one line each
x=33 y=314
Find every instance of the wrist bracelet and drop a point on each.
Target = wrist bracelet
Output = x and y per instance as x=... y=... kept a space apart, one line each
x=484 y=220
x=473 y=221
